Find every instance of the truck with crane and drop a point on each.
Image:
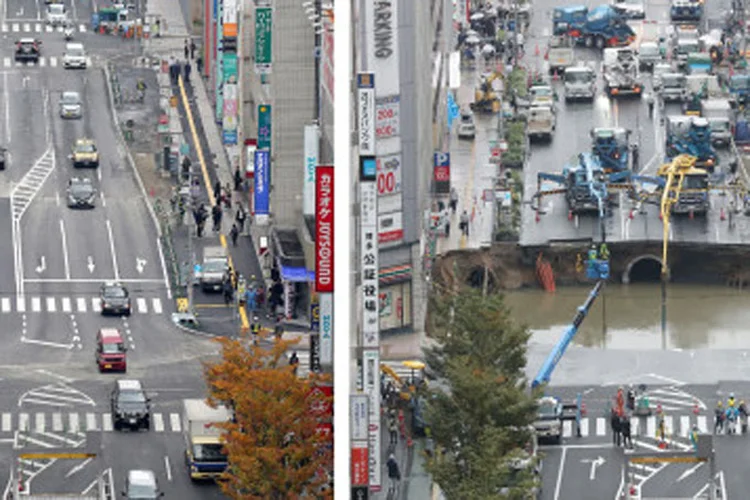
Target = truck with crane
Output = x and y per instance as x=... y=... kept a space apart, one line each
x=690 y=135
x=602 y=26
x=584 y=184
x=621 y=73
x=612 y=147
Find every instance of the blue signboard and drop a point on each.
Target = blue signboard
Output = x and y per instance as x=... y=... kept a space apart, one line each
x=368 y=168
x=262 y=171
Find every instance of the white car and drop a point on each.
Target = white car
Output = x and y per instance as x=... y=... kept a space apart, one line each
x=57 y=15
x=70 y=105
x=466 y=127
x=630 y=9
x=75 y=56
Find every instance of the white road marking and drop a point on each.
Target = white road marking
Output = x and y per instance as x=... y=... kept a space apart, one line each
x=635 y=424
x=158 y=422
x=83 y=464
x=96 y=304
x=584 y=427
x=66 y=305
x=23 y=421
x=601 y=426
x=16 y=28
x=702 y=424
x=39 y=423
x=174 y=420
x=20 y=304
x=38 y=27
x=684 y=426
x=651 y=427
x=49 y=29
x=112 y=250
x=51 y=306
x=81 y=304
x=567 y=428
x=7 y=62
x=168 y=468
x=75 y=425
x=107 y=422
x=91 y=422
x=157 y=306
x=6 y=304
x=6 y=423
x=53 y=61
x=142 y=306
x=42 y=62
x=26 y=27
x=36 y=304
x=669 y=425
x=66 y=260
x=560 y=469
x=57 y=422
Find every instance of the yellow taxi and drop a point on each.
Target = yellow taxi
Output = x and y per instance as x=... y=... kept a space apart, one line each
x=85 y=153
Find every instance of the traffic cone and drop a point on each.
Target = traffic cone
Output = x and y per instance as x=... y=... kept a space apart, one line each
x=662 y=445
x=661 y=217
x=555 y=76
x=696 y=408
x=20 y=485
x=536 y=217
x=570 y=215
x=722 y=215
x=691 y=215
x=546 y=56
x=631 y=214
x=583 y=409
x=536 y=50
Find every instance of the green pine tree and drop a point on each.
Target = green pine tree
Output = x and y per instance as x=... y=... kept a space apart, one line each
x=480 y=411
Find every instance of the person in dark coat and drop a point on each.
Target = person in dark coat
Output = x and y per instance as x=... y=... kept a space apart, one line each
x=187 y=49
x=237 y=179
x=217 y=191
x=614 y=422
x=240 y=218
x=294 y=362
x=394 y=473
x=627 y=440
x=186 y=71
x=216 y=214
x=192 y=49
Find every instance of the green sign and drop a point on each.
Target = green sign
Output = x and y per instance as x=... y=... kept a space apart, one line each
x=264 y=126
x=263 y=25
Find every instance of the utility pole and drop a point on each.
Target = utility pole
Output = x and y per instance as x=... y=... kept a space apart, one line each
x=319 y=27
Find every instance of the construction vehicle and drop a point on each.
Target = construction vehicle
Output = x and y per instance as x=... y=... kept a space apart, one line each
x=204 y=449
x=673 y=87
x=579 y=83
x=739 y=87
x=584 y=184
x=686 y=10
x=560 y=53
x=621 y=73
x=612 y=147
x=691 y=196
x=720 y=116
x=603 y=27
x=566 y=20
x=691 y=135
x=486 y=95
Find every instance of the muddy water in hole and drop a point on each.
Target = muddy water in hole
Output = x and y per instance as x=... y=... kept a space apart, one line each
x=630 y=316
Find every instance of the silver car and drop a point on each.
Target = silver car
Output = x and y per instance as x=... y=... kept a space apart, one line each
x=142 y=485
x=70 y=105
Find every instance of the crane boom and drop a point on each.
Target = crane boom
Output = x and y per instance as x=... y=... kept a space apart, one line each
x=545 y=372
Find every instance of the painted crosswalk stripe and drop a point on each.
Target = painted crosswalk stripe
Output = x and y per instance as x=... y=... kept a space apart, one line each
x=42 y=62
x=82 y=28
x=16 y=28
x=38 y=28
x=91 y=422
x=567 y=428
x=6 y=423
x=20 y=304
x=635 y=424
x=81 y=305
x=51 y=306
x=107 y=422
x=66 y=305
x=157 y=306
x=36 y=304
x=49 y=29
x=584 y=427
x=702 y=424
x=684 y=426
x=57 y=422
x=26 y=27
x=53 y=61
x=669 y=425
x=6 y=304
x=174 y=421
x=23 y=421
x=39 y=422
x=75 y=425
x=5 y=27
x=7 y=62
x=651 y=427
x=142 y=306
x=96 y=305
x=600 y=427
x=158 y=422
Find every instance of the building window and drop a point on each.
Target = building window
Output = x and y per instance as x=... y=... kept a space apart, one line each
x=395 y=306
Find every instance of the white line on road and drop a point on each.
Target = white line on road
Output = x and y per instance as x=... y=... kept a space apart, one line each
x=23 y=422
x=684 y=425
x=702 y=424
x=6 y=304
x=57 y=422
x=83 y=464
x=91 y=422
x=96 y=304
x=168 y=468
x=92 y=280
x=39 y=423
x=104 y=200
x=174 y=421
x=157 y=306
x=6 y=424
x=163 y=267
x=75 y=425
x=6 y=105
x=600 y=427
x=558 y=485
x=142 y=307
x=81 y=304
x=66 y=261
x=51 y=305
x=62 y=378
x=36 y=304
x=66 y=305
x=20 y=304
x=112 y=249
x=107 y=422
x=158 y=422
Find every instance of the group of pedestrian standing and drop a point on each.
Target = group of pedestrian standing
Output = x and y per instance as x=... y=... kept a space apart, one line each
x=621 y=429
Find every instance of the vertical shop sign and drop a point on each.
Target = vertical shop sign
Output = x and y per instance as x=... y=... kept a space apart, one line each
x=312 y=140
x=263 y=48
x=262 y=169
x=264 y=126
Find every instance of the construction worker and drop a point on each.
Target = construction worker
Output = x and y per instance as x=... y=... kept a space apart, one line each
x=255 y=329
x=593 y=254
x=661 y=430
x=620 y=400
x=604 y=251
x=719 y=417
x=694 y=437
x=731 y=401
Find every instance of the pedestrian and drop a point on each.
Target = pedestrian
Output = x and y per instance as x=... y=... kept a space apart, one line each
x=719 y=418
x=255 y=329
x=186 y=164
x=234 y=233
x=237 y=179
x=240 y=218
x=627 y=440
x=631 y=398
x=187 y=49
x=454 y=200
x=743 y=416
x=278 y=330
x=199 y=64
x=464 y=223
x=192 y=49
x=393 y=431
x=217 y=190
x=228 y=291
x=294 y=362
x=216 y=214
x=614 y=422
x=158 y=28
x=635 y=158
x=394 y=474
x=650 y=101
x=251 y=295
x=186 y=71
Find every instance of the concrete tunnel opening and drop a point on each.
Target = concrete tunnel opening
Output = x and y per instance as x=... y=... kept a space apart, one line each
x=643 y=269
x=477 y=276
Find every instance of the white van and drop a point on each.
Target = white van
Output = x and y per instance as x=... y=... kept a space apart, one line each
x=74 y=56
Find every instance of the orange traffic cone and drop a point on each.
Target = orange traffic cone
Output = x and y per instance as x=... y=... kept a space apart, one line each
x=546 y=55
x=661 y=217
x=696 y=408
x=536 y=50
x=631 y=215
x=722 y=215
x=536 y=217
x=570 y=215
x=662 y=445
x=691 y=215
x=555 y=76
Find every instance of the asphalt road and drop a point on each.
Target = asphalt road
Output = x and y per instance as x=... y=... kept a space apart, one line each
x=35 y=10
x=626 y=222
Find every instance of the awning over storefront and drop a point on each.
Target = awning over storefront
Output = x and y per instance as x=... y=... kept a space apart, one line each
x=395 y=274
x=297 y=274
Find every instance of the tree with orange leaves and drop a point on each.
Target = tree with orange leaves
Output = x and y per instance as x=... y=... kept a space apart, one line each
x=275 y=450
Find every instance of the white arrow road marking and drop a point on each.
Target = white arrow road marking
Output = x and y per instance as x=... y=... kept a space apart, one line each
x=42 y=265
x=140 y=264
x=59 y=394
x=689 y=472
x=90 y=264
x=595 y=464
x=78 y=467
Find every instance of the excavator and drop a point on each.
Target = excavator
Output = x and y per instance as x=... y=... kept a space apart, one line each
x=486 y=98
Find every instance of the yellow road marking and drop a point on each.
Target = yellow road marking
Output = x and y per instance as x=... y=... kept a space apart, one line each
x=209 y=188
x=210 y=306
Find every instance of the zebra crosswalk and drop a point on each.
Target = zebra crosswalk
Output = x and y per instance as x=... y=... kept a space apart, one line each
x=646 y=427
x=78 y=422
x=70 y=305
x=52 y=62
x=37 y=28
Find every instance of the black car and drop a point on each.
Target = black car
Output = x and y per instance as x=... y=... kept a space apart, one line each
x=131 y=408
x=115 y=299
x=3 y=156
x=28 y=50
x=81 y=193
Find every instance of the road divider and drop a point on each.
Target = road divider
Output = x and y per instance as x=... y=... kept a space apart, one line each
x=245 y=324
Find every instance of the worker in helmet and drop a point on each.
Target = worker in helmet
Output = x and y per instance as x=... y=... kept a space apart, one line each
x=694 y=437
x=719 y=417
x=604 y=251
x=593 y=254
x=731 y=401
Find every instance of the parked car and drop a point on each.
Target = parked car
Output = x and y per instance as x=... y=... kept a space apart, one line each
x=466 y=127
